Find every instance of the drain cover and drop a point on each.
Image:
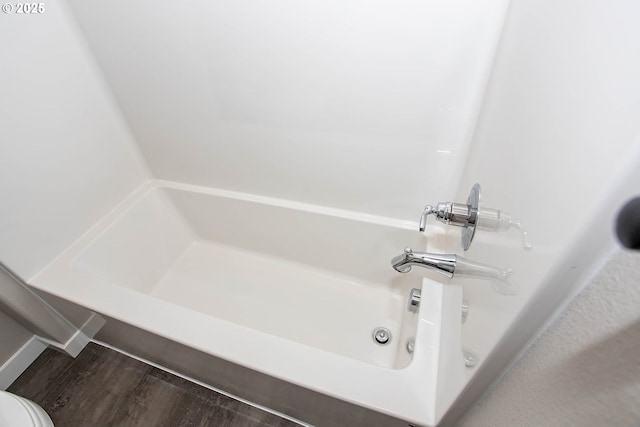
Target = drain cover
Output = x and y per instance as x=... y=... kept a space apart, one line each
x=381 y=336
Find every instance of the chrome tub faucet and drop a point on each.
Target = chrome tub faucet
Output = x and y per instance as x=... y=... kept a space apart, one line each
x=451 y=265
x=471 y=216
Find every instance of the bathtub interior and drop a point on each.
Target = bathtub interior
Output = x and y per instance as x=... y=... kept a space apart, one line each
x=316 y=279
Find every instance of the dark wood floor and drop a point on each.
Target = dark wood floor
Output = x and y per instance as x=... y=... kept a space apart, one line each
x=102 y=387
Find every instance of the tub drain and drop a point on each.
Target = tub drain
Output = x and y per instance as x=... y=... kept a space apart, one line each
x=381 y=335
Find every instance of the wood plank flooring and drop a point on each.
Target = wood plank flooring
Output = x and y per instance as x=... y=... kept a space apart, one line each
x=102 y=387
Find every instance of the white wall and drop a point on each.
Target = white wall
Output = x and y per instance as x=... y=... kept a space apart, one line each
x=557 y=131
x=361 y=105
x=12 y=337
x=584 y=370
x=558 y=145
x=67 y=156
x=26 y=308
x=19 y=347
x=560 y=114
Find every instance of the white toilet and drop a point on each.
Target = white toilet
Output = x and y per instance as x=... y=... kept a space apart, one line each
x=16 y=411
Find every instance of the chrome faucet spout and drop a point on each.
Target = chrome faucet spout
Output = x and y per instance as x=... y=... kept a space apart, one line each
x=442 y=263
x=451 y=264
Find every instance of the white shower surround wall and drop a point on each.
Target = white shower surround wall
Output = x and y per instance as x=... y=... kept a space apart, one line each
x=335 y=103
x=290 y=290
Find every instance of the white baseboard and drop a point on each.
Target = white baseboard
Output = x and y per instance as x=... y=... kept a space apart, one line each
x=80 y=339
x=25 y=356
x=20 y=361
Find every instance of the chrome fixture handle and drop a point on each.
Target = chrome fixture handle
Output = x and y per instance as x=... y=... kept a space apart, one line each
x=428 y=210
x=414 y=300
x=451 y=265
x=465 y=310
x=470 y=358
x=471 y=216
x=458 y=214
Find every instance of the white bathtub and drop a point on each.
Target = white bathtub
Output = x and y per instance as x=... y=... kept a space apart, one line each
x=287 y=290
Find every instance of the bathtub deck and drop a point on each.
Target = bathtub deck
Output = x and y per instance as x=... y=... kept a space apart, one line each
x=102 y=387
x=281 y=298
